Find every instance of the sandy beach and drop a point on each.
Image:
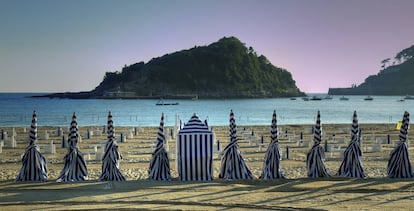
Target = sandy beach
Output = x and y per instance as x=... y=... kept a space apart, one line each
x=296 y=192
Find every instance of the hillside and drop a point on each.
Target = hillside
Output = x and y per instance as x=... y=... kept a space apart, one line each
x=224 y=69
x=396 y=79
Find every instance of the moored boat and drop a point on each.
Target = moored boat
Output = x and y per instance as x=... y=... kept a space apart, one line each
x=409 y=97
x=162 y=103
x=369 y=98
x=316 y=98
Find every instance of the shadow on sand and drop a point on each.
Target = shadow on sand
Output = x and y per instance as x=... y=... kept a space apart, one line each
x=284 y=194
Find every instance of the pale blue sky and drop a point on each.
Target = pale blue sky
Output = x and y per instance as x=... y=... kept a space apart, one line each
x=56 y=45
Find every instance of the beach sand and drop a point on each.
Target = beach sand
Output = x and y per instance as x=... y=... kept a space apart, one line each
x=296 y=192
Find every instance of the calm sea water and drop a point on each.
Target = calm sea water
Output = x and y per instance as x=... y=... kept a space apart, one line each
x=16 y=110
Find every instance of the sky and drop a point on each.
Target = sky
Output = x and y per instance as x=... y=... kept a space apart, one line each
x=59 y=46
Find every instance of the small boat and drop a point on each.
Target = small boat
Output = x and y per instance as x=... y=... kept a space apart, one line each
x=162 y=103
x=293 y=98
x=305 y=98
x=328 y=97
x=369 y=98
x=401 y=100
x=343 y=98
x=409 y=97
x=316 y=98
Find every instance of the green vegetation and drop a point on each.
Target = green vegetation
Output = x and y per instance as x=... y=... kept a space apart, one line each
x=224 y=69
x=396 y=79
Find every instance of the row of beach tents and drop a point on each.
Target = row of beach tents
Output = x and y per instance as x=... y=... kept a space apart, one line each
x=195 y=159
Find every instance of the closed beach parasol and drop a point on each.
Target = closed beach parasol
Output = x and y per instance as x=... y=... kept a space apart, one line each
x=34 y=166
x=232 y=162
x=399 y=165
x=351 y=165
x=159 y=168
x=315 y=159
x=273 y=156
x=75 y=166
x=111 y=157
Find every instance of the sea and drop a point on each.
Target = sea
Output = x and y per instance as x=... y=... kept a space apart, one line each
x=16 y=110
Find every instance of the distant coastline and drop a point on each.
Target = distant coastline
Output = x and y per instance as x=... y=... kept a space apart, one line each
x=89 y=95
x=366 y=91
x=127 y=95
x=349 y=91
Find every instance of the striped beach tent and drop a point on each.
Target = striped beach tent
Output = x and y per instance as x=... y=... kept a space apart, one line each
x=34 y=167
x=399 y=165
x=351 y=165
x=315 y=159
x=159 y=168
x=271 y=167
x=232 y=162
x=111 y=157
x=195 y=151
x=75 y=167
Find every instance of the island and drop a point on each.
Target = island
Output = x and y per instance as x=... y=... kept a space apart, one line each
x=223 y=69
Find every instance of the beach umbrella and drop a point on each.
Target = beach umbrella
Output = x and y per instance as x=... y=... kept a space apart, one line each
x=34 y=167
x=315 y=159
x=273 y=156
x=399 y=165
x=159 y=168
x=75 y=167
x=232 y=162
x=111 y=157
x=351 y=165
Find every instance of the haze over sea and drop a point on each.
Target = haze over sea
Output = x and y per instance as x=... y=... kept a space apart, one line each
x=16 y=110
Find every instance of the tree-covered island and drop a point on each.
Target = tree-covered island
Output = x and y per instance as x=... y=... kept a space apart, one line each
x=223 y=69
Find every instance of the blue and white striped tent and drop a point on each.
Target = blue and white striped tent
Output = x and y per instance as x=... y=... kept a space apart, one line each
x=159 y=168
x=232 y=162
x=75 y=166
x=399 y=165
x=111 y=157
x=351 y=166
x=34 y=167
x=271 y=166
x=315 y=159
x=195 y=151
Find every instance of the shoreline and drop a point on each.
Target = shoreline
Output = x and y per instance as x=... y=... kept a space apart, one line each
x=131 y=95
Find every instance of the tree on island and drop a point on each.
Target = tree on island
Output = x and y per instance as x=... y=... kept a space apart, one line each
x=405 y=54
x=384 y=63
